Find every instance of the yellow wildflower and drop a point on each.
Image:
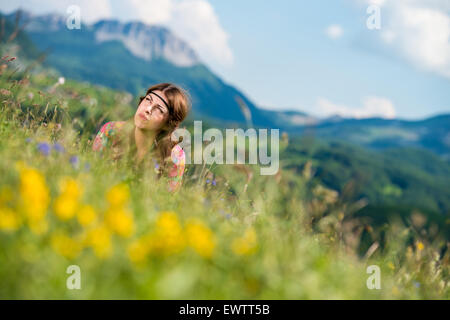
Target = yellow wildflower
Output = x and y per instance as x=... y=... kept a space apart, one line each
x=200 y=238
x=86 y=215
x=168 y=220
x=99 y=238
x=118 y=195
x=168 y=237
x=138 y=250
x=66 y=204
x=65 y=207
x=391 y=265
x=120 y=221
x=245 y=245
x=34 y=193
x=420 y=246
x=66 y=246
x=9 y=220
x=70 y=188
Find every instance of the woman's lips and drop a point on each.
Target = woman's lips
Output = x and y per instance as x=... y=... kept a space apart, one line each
x=143 y=116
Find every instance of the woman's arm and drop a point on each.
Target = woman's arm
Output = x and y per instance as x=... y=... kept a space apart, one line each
x=176 y=168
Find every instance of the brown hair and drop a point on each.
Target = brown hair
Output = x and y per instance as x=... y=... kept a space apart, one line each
x=179 y=105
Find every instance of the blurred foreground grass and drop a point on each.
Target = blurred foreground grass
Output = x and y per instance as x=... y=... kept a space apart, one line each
x=229 y=233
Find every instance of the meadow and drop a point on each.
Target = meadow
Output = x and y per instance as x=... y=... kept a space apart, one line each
x=228 y=233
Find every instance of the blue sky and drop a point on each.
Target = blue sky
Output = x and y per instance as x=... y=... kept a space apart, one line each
x=284 y=59
x=286 y=55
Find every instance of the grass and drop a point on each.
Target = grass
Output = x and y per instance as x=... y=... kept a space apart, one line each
x=268 y=237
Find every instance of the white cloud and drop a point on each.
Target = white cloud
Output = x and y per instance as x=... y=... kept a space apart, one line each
x=419 y=31
x=195 y=21
x=372 y=106
x=334 y=31
x=377 y=2
x=152 y=11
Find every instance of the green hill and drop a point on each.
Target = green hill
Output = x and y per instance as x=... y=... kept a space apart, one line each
x=396 y=177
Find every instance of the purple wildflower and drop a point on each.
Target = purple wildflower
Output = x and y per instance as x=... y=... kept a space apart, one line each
x=156 y=164
x=58 y=147
x=74 y=161
x=44 y=148
x=214 y=182
x=28 y=140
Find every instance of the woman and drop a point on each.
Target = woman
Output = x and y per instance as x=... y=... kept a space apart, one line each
x=148 y=134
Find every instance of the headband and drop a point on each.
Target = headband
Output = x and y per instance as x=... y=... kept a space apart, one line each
x=168 y=109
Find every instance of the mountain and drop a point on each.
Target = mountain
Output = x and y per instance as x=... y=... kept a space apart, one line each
x=432 y=134
x=290 y=120
x=132 y=56
x=397 y=177
x=11 y=41
x=147 y=42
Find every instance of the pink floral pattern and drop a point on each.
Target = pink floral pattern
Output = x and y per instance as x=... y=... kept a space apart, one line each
x=177 y=168
x=108 y=133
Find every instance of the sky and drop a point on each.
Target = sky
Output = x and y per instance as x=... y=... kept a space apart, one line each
x=354 y=58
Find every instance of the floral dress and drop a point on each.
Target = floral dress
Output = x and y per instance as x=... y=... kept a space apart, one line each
x=109 y=133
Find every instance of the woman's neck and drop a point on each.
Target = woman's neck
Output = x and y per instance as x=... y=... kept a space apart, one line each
x=144 y=140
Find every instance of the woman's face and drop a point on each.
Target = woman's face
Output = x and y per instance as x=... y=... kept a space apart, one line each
x=152 y=113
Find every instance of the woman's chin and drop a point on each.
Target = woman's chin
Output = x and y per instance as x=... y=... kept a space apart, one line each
x=140 y=123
